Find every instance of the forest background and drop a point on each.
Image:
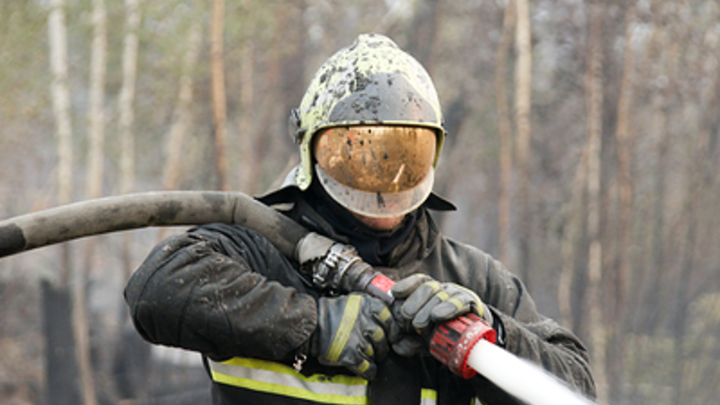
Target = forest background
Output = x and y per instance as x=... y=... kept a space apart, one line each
x=583 y=151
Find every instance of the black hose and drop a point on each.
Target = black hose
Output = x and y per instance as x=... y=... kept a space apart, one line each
x=132 y=211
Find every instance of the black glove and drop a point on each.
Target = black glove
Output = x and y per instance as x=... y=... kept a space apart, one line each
x=422 y=302
x=353 y=331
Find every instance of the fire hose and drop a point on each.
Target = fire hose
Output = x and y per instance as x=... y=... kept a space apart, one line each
x=465 y=344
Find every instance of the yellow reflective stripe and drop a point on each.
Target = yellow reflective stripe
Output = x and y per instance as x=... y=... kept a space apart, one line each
x=350 y=314
x=385 y=314
x=434 y=285
x=279 y=379
x=428 y=396
x=284 y=369
x=293 y=392
x=428 y=393
x=458 y=304
x=363 y=366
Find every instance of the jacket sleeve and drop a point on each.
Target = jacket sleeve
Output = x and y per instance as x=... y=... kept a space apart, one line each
x=224 y=291
x=521 y=329
x=531 y=336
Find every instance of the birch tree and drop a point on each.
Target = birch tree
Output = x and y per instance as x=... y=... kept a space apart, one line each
x=127 y=164
x=96 y=140
x=61 y=99
x=57 y=392
x=96 y=114
x=127 y=97
x=127 y=113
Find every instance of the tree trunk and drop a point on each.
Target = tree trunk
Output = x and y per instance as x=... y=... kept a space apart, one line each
x=657 y=233
x=217 y=77
x=61 y=372
x=683 y=296
x=119 y=356
x=423 y=31
x=181 y=115
x=661 y=104
x=96 y=140
x=594 y=91
x=284 y=77
x=127 y=97
x=247 y=124
x=504 y=132
x=61 y=99
x=127 y=115
x=523 y=100
x=624 y=145
x=570 y=234
x=699 y=175
x=96 y=114
x=82 y=336
x=668 y=48
x=62 y=379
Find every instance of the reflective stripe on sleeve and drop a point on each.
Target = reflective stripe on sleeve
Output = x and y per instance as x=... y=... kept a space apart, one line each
x=279 y=379
x=428 y=396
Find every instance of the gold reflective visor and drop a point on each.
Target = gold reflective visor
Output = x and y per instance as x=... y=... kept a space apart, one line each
x=376 y=158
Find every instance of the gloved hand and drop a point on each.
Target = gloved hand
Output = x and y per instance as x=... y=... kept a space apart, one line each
x=353 y=331
x=423 y=302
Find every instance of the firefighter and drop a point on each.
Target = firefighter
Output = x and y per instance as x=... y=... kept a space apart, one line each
x=370 y=131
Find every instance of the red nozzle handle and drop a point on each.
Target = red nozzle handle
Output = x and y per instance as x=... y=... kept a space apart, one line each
x=451 y=341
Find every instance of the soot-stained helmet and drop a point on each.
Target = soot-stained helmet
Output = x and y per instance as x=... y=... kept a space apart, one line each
x=371 y=91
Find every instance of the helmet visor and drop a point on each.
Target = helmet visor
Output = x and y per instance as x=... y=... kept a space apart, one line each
x=378 y=171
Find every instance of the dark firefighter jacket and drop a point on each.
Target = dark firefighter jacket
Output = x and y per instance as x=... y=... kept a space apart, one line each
x=224 y=291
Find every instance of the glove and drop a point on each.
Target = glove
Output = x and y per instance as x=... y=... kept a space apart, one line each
x=353 y=331
x=423 y=302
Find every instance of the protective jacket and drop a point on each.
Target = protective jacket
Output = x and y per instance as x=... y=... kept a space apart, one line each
x=224 y=291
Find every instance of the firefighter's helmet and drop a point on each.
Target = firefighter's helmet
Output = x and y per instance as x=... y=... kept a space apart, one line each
x=372 y=117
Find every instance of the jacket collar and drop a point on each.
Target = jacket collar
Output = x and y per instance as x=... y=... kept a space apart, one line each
x=418 y=244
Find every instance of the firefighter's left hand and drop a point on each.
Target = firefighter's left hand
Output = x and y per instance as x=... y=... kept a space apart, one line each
x=353 y=331
x=423 y=302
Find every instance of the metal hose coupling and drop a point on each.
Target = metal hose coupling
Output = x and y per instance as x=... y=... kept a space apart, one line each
x=338 y=268
x=329 y=272
x=342 y=270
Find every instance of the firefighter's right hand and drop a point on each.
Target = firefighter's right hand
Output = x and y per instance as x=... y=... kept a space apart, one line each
x=353 y=331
